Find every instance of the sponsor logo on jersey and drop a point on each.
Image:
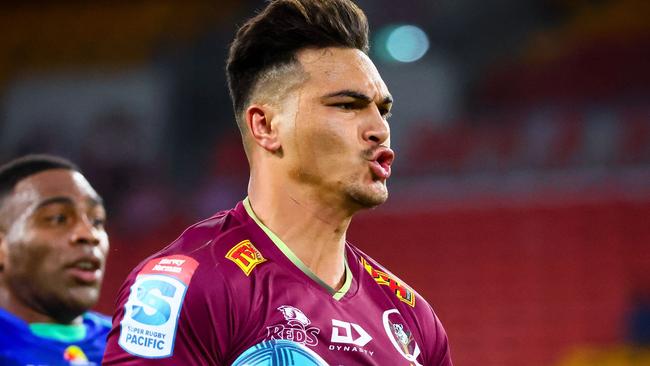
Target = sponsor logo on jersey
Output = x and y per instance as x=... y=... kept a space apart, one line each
x=400 y=336
x=342 y=333
x=151 y=312
x=297 y=327
x=245 y=256
x=350 y=337
x=76 y=356
x=400 y=290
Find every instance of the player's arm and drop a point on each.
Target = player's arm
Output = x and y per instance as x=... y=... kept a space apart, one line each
x=177 y=316
x=436 y=340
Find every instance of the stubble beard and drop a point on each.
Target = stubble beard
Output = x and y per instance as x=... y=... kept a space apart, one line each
x=50 y=292
x=365 y=196
x=354 y=189
x=64 y=301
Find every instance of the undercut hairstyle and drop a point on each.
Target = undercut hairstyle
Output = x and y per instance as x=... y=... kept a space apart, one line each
x=18 y=169
x=265 y=47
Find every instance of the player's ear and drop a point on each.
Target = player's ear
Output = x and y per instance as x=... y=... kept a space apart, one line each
x=259 y=118
x=3 y=248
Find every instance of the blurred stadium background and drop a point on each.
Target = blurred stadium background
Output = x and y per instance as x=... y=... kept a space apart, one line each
x=520 y=202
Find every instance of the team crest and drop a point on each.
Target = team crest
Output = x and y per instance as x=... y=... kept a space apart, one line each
x=400 y=336
x=296 y=329
x=151 y=313
x=292 y=314
x=401 y=291
x=245 y=256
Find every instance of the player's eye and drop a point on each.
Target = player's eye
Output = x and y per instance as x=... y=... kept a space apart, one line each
x=385 y=112
x=99 y=222
x=345 y=106
x=57 y=219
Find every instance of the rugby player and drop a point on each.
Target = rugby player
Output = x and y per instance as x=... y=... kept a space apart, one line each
x=313 y=113
x=53 y=249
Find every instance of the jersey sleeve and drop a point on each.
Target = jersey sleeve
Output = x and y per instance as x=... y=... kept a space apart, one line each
x=436 y=340
x=171 y=311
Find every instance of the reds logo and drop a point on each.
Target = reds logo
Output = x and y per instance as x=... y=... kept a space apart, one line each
x=297 y=328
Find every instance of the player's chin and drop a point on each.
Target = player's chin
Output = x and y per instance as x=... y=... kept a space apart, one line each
x=371 y=195
x=84 y=296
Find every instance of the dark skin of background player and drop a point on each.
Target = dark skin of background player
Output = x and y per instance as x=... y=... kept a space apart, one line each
x=53 y=247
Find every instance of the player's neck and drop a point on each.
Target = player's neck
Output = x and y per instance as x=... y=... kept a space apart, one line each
x=28 y=314
x=313 y=230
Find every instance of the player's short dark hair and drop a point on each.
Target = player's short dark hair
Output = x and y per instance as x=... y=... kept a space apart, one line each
x=20 y=168
x=274 y=36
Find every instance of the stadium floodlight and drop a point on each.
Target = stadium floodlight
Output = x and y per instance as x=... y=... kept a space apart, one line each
x=402 y=43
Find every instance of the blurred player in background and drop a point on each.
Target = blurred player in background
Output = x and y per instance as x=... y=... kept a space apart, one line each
x=53 y=250
x=274 y=281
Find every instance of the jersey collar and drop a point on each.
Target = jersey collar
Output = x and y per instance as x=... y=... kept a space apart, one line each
x=59 y=332
x=337 y=295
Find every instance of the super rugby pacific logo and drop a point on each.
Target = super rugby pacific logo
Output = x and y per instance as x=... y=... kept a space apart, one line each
x=296 y=329
x=153 y=307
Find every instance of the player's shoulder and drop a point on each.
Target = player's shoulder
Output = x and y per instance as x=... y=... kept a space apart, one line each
x=219 y=228
x=97 y=321
x=205 y=254
x=201 y=240
x=12 y=327
x=187 y=277
x=9 y=319
x=400 y=292
x=410 y=305
x=369 y=264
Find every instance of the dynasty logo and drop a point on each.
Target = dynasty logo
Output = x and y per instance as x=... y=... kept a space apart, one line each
x=296 y=329
x=349 y=337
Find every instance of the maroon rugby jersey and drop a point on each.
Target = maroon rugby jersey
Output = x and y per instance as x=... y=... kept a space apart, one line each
x=228 y=283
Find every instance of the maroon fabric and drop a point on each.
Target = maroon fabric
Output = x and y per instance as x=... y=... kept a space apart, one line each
x=224 y=311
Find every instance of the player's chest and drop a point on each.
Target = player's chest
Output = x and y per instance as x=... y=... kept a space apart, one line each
x=40 y=351
x=342 y=333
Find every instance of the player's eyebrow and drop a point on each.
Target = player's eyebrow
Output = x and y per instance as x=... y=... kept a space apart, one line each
x=54 y=200
x=95 y=201
x=92 y=201
x=357 y=95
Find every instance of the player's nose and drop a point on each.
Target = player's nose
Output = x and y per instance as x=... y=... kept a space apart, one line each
x=378 y=131
x=84 y=232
